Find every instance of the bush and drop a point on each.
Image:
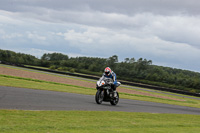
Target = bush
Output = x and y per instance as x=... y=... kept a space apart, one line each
x=72 y=70
x=52 y=67
x=60 y=69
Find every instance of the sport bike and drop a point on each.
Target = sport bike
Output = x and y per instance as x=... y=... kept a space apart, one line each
x=105 y=92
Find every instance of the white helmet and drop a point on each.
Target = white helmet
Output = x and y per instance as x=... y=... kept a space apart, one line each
x=107 y=71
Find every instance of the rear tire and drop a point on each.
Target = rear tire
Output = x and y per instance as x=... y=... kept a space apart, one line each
x=115 y=100
x=99 y=97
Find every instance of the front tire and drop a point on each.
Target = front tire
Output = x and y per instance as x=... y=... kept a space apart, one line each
x=115 y=100
x=99 y=96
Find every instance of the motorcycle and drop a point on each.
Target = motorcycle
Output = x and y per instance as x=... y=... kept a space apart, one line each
x=105 y=92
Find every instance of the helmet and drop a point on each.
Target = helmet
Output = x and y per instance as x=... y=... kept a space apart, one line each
x=107 y=71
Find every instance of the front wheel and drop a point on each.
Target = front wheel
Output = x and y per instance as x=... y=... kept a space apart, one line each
x=115 y=100
x=99 y=96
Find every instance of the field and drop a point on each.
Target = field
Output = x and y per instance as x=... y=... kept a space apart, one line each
x=95 y=121
x=90 y=121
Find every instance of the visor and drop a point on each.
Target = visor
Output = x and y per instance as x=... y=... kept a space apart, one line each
x=107 y=73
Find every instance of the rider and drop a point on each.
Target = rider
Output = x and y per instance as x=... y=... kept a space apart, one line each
x=108 y=73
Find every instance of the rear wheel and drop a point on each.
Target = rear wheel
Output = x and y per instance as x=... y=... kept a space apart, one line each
x=99 y=96
x=115 y=100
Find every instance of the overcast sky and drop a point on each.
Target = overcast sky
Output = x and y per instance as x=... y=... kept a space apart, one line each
x=164 y=31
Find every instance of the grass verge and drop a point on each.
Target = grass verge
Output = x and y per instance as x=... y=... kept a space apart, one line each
x=14 y=121
x=13 y=81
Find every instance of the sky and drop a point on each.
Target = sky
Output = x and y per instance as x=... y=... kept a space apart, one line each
x=164 y=31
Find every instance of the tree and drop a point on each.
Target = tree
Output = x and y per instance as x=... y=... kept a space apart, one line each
x=126 y=60
x=111 y=61
x=132 y=60
x=54 y=57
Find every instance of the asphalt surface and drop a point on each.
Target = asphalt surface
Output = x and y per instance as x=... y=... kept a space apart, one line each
x=30 y=99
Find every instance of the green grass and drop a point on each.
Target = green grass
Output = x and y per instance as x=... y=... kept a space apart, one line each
x=13 y=81
x=18 y=121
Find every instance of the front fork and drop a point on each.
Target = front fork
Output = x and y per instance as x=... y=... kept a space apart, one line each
x=111 y=94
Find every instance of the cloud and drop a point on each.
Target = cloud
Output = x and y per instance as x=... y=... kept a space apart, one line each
x=165 y=7
x=12 y=35
x=164 y=31
x=168 y=28
x=103 y=41
x=180 y=29
x=35 y=36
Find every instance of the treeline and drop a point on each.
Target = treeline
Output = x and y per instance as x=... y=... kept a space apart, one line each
x=18 y=58
x=130 y=69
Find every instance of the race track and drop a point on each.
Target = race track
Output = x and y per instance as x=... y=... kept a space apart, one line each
x=30 y=99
